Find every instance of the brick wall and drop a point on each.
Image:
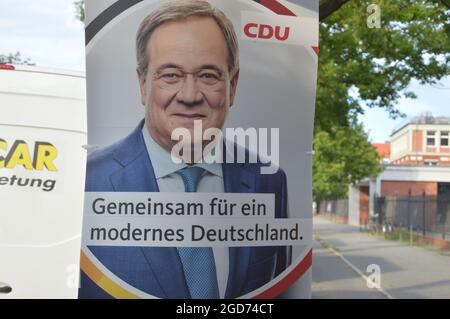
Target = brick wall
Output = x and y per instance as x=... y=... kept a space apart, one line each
x=417 y=145
x=364 y=198
x=401 y=188
x=413 y=159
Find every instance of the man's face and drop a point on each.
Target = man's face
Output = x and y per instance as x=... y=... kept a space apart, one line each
x=187 y=78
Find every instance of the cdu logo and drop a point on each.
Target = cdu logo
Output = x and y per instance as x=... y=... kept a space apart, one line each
x=266 y=31
x=273 y=28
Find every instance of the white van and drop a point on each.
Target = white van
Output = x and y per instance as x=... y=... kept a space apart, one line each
x=42 y=172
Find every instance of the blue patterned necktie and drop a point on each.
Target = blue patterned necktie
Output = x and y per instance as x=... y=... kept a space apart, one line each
x=198 y=262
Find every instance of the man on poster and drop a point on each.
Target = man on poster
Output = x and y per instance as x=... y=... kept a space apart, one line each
x=188 y=70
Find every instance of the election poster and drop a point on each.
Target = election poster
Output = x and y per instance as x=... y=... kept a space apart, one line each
x=200 y=123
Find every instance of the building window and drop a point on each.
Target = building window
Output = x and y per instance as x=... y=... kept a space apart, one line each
x=430 y=162
x=444 y=138
x=431 y=138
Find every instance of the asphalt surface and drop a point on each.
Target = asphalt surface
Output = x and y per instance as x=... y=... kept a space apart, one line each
x=342 y=255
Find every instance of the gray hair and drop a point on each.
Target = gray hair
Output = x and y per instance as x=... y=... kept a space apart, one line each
x=179 y=10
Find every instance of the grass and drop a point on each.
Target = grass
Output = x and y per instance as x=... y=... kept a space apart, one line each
x=329 y=217
x=396 y=234
x=403 y=236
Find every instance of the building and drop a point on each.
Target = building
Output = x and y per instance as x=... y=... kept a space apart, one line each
x=416 y=162
x=424 y=140
x=383 y=151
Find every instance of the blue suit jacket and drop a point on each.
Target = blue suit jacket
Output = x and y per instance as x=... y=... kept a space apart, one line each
x=126 y=167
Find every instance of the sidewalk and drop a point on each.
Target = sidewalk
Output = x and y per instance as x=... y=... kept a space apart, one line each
x=406 y=272
x=332 y=278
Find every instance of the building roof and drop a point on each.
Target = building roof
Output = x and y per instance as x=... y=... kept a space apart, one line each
x=425 y=118
x=383 y=149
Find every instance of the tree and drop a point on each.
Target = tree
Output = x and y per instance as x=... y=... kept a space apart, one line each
x=79 y=7
x=361 y=66
x=327 y=7
x=14 y=58
x=342 y=157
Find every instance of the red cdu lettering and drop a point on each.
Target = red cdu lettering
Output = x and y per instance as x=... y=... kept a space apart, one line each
x=279 y=36
x=248 y=32
x=265 y=31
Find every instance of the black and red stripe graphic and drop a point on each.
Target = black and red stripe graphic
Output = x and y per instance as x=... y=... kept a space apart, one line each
x=121 y=5
x=276 y=7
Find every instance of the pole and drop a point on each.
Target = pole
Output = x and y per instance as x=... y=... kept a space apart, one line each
x=423 y=214
x=409 y=217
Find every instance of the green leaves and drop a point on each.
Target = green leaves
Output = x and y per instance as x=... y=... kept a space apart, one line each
x=14 y=58
x=362 y=66
x=412 y=43
x=79 y=7
x=341 y=157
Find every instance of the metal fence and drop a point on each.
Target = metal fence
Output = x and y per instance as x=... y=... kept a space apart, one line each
x=426 y=215
x=336 y=208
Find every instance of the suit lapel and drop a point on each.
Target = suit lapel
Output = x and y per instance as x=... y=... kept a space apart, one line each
x=167 y=268
x=137 y=175
x=237 y=180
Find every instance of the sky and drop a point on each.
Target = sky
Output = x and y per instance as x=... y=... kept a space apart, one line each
x=44 y=31
x=47 y=32
x=430 y=98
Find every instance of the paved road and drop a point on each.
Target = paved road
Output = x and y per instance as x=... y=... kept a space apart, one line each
x=406 y=272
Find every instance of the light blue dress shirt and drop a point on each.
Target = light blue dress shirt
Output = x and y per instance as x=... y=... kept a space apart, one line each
x=169 y=181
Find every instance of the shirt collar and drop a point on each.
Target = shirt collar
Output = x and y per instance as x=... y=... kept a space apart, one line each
x=162 y=160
